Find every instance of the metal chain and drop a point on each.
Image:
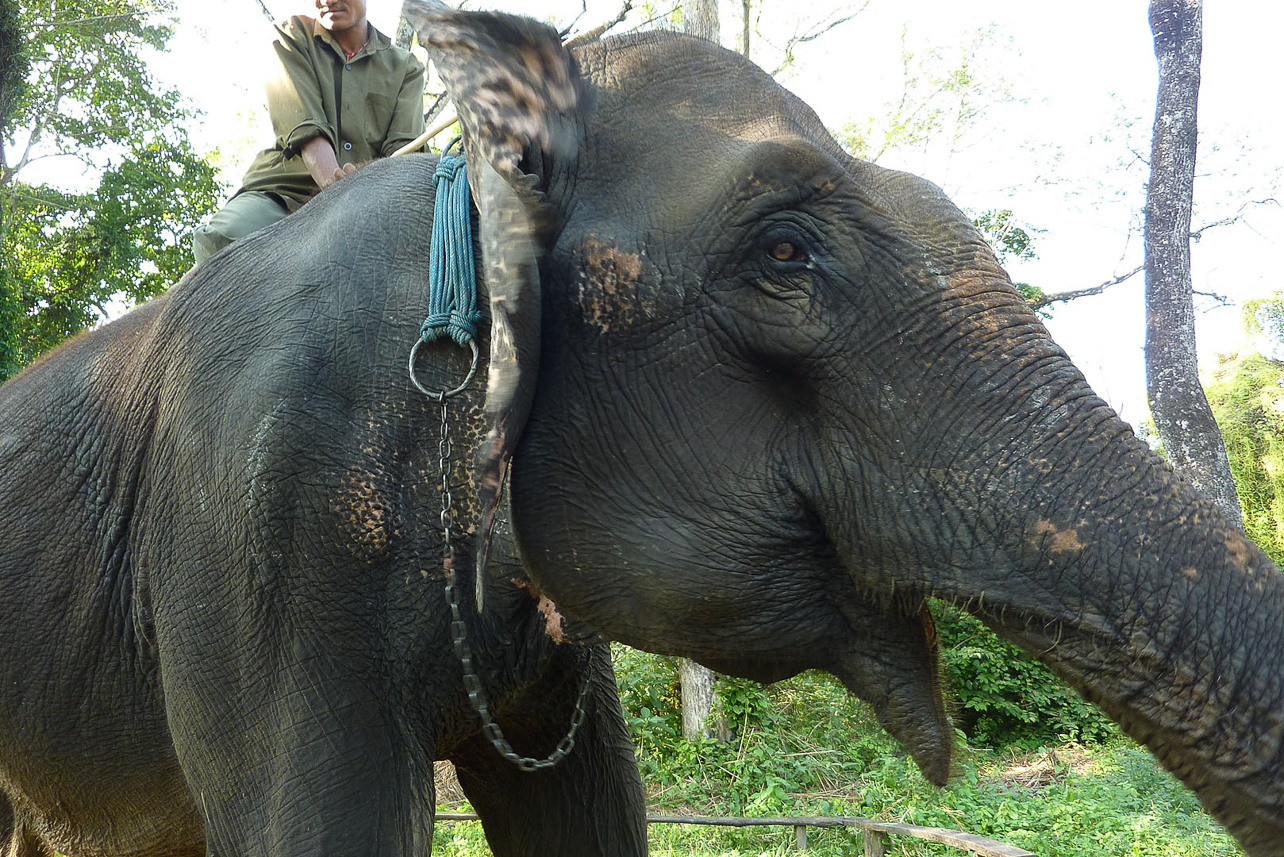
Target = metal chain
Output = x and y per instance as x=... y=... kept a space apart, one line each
x=459 y=637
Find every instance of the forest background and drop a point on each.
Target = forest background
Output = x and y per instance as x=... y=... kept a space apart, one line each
x=1038 y=119
x=1044 y=112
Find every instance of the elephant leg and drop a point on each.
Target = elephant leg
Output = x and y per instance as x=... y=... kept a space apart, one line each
x=304 y=757
x=15 y=839
x=591 y=804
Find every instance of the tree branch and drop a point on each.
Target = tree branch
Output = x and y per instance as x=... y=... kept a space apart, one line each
x=33 y=137
x=1059 y=297
x=39 y=201
x=6 y=204
x=566 y=31
x=596 y=32
x=436 y=108
x=1196 y=234
x=656 y=17
x=1219 y=300
x=71 y=22
x=814 y=33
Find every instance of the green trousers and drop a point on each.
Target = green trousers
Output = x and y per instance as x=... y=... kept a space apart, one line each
x=248 y=211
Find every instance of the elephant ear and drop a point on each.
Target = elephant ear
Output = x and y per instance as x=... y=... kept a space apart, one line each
x=517 y=95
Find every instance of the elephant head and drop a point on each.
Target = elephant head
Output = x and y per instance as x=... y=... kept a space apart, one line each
x=778 y=397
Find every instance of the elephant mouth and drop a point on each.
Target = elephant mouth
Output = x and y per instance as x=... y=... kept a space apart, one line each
x=558 y=625
x=893 y=664
x=888 y=658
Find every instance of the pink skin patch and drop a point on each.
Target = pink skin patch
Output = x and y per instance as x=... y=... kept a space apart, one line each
x=554 y=621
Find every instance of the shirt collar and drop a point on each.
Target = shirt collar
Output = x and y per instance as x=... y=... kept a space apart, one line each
x=377 y=41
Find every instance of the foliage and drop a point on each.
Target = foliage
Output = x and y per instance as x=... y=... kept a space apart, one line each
x=1264 y=317
x=13 y=60
x=70 y=254
x=806 y=747
x=784 y=35
x=1012 y=242
x=1247 y=398
x=13 y=80
x=943 y=100
x=757 y=771
x=660 y=14
x=1006 y=696
x=88 y=100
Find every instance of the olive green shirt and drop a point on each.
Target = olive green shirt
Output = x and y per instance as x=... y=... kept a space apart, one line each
x=367 y=107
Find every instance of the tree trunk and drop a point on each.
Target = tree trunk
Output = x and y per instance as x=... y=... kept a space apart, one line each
x=13 y=70
x=701 y=717
x=405 y=34
x=13 y=62
x=700 y=18
x=745 y=8
x=10 y=313
x=1177 y=402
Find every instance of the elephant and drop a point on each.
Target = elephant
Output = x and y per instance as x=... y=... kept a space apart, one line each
x=747 y=400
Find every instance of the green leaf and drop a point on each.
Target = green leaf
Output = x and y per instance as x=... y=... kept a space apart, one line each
x=87 y=97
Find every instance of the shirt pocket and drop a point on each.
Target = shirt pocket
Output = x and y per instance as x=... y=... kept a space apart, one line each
x=378 y=119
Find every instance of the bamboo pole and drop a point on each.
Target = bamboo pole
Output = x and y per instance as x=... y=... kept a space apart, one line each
x=874 y=831
x=444 y=121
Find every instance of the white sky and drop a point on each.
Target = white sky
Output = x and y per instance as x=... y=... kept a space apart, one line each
x=1056 y=157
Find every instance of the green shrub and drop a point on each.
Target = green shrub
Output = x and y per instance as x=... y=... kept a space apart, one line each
x=806 y=747
x=768 y=760
x=1246 y=394
x=1006 y=697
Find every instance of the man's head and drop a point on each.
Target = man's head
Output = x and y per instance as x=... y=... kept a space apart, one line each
x=340 y=16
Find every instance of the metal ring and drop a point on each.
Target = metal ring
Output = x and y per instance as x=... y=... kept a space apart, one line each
x=441 y=395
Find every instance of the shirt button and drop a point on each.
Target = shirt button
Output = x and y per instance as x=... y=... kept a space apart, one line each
x=348 y=67
x=347 y=147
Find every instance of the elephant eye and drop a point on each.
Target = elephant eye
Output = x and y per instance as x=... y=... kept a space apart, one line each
x=787 y=251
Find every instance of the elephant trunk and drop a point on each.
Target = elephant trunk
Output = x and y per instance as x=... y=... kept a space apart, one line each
x=981 y=468
x=1144 y=598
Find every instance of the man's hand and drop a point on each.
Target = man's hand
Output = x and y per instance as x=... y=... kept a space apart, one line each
x=319 y=158
x=340 y=172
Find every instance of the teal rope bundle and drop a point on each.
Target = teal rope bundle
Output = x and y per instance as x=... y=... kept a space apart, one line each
x=452 y=275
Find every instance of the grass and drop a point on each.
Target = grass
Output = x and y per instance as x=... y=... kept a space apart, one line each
x=1062 y=802
x=804 y=747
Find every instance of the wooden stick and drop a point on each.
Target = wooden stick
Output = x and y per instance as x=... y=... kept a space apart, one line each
x=444 y=121
x=978 y=845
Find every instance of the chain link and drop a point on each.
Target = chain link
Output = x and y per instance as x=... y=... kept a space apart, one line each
x=459 y=636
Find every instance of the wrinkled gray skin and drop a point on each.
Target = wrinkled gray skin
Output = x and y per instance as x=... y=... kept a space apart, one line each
x=782 y=397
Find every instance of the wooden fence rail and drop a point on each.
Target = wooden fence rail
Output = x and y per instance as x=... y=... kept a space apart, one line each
x=874 y=833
